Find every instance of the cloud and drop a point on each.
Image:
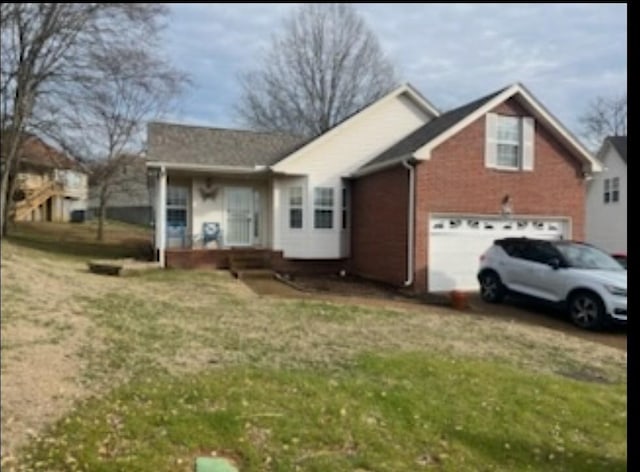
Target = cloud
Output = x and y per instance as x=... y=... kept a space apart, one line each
x=566 y=54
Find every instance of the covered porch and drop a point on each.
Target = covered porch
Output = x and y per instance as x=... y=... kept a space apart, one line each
x=204 y=213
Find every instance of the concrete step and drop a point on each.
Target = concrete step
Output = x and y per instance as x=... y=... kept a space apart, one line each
x=257 y=261
x=252 y=273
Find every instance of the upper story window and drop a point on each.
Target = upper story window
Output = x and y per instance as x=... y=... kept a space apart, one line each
x=509 y=142
x=295 y=207
x=612 y=190
x=323 y=208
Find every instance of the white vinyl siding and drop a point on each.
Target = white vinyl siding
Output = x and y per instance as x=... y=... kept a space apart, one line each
x=606 y=223
x=509 y=142
x=323 y=208
x=326 y=164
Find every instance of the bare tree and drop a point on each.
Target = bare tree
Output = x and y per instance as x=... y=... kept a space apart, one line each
x=105 y=118
x=604 y=117
x=44 y=48
x=324 y=65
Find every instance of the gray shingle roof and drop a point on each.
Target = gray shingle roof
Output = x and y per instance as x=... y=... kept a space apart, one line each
x=620 y=145
x=176 y=143
x=431 y=130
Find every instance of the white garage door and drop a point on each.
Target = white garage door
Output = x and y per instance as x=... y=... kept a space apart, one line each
x=457 y=242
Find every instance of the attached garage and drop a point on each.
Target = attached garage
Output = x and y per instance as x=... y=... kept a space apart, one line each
x=456 y=243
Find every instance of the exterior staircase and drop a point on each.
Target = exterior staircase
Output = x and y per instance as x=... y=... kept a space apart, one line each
x=34 y=197
x=250 y=263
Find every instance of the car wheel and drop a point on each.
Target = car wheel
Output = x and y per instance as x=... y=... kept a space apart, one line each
x=586 y=310
x=491 y=288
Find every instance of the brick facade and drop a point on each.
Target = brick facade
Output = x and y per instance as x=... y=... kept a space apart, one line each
x=455 y=180
x=379 y=225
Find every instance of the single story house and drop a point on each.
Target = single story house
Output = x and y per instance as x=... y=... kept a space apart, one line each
x=607 y=198
x=398 y=192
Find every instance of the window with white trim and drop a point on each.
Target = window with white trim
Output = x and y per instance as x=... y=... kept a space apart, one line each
x=323 y=208
x=509 y=142
x=295 y=207
x=177 y=199
x=615 y=189
x=612 y=190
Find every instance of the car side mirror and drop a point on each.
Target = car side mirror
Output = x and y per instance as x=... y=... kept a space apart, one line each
x=554 y=263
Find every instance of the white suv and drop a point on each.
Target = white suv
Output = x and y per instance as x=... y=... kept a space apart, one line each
x=589 y=282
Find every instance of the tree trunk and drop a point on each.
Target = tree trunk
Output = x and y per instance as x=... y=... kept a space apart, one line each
x=102 y=215
x=9 y=203
x=8 y=182
x=102 y=209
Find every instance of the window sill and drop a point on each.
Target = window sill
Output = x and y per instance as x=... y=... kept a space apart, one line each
x=505 y=169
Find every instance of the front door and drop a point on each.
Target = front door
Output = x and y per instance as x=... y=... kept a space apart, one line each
x=239 y=216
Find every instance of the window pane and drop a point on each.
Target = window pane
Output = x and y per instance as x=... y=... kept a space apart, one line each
x=606 y=197
x=507 y=155
x=295 y=196
x=295 y=218
x=606 y=185
x=509 y=129
x=323 y=219
x=324 y=197
x=177 y=196
x=615 y=196
x=176 y=217
x=615 y=183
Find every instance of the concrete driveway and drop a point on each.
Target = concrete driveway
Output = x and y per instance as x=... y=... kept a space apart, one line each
x=523 y=310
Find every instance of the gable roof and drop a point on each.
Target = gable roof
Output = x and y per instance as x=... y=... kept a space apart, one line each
x=183 y=144
x=620 y=145
x=419 y=144
x=35 y=152
x=430 y=130
x=406 y=88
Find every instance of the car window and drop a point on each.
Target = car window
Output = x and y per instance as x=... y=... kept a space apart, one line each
x=514 y=248
x=540 y=251
x=584 y=256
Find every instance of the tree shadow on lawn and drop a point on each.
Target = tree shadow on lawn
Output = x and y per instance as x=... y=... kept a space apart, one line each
x=511 y=453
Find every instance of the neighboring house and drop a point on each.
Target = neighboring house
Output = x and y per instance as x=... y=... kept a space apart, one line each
x=50 y=185
x=129 y=199
x=396 y=192
x=607 y=198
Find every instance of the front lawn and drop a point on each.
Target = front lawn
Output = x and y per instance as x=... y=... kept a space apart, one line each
x=144 y=373
x=389 y=412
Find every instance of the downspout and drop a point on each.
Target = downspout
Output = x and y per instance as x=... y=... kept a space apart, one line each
x=161 y=215
x=410 y=222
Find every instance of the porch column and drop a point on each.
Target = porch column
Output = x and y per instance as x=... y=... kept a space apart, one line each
x=161 y=215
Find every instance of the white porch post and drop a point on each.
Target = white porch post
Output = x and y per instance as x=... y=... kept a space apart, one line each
x=161 y=215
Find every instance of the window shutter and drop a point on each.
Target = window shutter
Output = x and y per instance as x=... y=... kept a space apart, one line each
x=528 y=134
x=490 y=140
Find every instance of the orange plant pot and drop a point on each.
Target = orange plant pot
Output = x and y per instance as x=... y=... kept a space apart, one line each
x=459 y=300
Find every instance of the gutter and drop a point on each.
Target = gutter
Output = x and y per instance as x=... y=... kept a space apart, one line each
x=410 y=222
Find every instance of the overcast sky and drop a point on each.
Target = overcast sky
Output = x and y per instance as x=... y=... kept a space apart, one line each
x=565 y=54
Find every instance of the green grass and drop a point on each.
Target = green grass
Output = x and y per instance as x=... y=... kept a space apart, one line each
x=78 y=240
x=182 y=363
x=386 y=412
